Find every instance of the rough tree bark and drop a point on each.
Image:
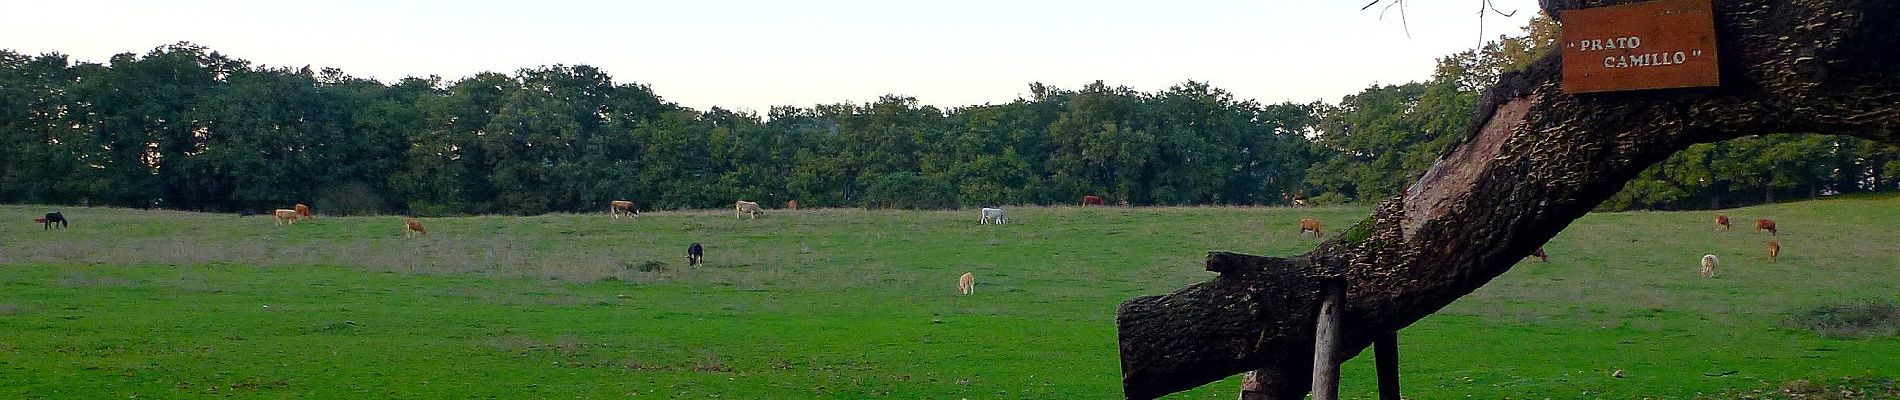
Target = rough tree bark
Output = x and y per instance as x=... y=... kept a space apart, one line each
x=1536 y=159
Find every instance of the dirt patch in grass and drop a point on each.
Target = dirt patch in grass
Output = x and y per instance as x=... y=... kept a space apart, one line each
x=1848 y=388
x=1849 y=320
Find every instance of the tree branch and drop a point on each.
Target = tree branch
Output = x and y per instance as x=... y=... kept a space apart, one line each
x=1536 y=159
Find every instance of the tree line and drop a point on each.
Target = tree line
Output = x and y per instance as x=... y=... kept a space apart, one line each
x=185 y=127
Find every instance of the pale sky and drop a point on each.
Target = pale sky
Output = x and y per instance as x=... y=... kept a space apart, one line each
x=752 y=55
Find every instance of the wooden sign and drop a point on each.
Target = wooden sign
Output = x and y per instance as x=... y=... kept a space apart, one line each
x=1654 y=45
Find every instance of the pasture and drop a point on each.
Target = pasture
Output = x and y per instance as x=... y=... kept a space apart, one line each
x=836 y=303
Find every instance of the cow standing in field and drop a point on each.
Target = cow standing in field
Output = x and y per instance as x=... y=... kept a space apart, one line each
x=1721 y=221
x=743 y=208
x=791 y=205
x=694 y=253
x=285 y=217
x=412 y=227
x=1708 y=265
x=51 y=218
x=1295 y=199
x=1540 y=254
x=966 y=284
x=1774 y=250
x=1309 y=224
x=991 y=215
x=303 y=211
x=1765 y=224
x=1091 y=200
x=619 y=207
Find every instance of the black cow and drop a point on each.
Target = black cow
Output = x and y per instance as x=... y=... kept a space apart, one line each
x=54 y=218
x=693 y=254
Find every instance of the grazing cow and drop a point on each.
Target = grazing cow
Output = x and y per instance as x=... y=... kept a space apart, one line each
x=303 y=211
x=1721 y=221
x=1541 y=256
x=619 y=207
x=693 y=254
x=991 y=215
x=1708 y=265
x=966 y=284
x=791 y=205
x=412 y=227
x=1774 y=250
x=746 y=207
x=285 y=217
x=1296 y=199
x=52 y=218
x=1765 y=224
x=1091 y=200
x=1309 y=224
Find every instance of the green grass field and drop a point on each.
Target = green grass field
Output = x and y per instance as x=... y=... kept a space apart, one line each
x=862 y=304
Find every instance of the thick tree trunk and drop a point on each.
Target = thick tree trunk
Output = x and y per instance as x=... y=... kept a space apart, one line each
x=1537 y=159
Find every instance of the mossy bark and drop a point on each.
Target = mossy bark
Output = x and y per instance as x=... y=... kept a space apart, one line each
x=1536 y=159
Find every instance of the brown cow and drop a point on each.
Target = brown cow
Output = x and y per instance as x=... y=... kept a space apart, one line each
x=966 y=284
x=1765 y=224
x=791 y=205
x=1540 y=254
x=1721 y=221
x=1091 y=200
x=619 y=207
x=1774 y=250
x=285 y=217
x=412 y=227
x=303 y=211
x=1310 y=224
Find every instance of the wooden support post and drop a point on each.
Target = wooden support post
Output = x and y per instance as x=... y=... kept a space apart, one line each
x=1252 y=388
x=1326 y=340
x=1385 y=352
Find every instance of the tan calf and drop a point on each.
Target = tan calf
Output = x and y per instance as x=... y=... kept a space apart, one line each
x=1310 y=224
x=285 y=217
x=966 y=284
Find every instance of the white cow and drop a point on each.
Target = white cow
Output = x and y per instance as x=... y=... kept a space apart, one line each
x=991 y=215
x=743 y=208
x=1708 y=265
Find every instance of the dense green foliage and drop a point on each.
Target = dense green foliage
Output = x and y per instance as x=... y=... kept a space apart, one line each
x=849 y=303
x=184 y=127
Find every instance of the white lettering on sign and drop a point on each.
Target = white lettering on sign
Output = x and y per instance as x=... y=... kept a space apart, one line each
x=1646 y=60
x=1618 y=43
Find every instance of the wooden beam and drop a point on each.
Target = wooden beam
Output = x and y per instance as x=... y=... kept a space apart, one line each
x=1251 y=387
x=1326 y=341
x=1385 y=352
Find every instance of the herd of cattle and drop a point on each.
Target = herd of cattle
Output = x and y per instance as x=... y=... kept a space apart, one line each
x=1709 y=261
x=966 y=283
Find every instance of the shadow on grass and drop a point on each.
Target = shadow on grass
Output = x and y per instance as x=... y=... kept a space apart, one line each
x=1848 y=320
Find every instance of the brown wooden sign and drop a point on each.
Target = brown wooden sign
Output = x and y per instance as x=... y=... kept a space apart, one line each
x=1654 y=45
